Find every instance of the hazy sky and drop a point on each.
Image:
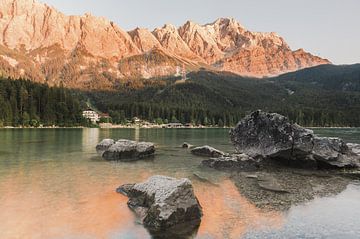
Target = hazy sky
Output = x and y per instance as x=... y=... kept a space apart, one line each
x=328 y=28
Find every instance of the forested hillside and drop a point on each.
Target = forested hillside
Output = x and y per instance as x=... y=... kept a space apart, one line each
x=320 y=96
x=223 y=98
x=327 y=77
x=31 y=104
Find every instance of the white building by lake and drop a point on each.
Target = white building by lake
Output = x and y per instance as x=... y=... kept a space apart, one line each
x=93 y=116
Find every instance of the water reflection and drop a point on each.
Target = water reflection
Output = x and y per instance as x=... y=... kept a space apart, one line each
x=50 y=186
x=91 y=137
x=228 y=215
x=83 y=207
x=66 y=207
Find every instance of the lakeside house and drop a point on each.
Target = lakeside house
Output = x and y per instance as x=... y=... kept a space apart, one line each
x=92 y=115
x=105 y=118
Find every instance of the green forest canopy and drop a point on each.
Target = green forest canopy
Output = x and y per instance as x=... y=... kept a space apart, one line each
x=319 y=96
x=25 y=103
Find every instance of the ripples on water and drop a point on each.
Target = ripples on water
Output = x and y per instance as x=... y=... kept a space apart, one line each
x=54 y=185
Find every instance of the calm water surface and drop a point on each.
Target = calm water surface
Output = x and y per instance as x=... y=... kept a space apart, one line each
x=54 y=185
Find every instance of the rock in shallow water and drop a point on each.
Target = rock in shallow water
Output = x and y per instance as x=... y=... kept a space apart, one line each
x=104 y=145
x=207 y=151
x=186 y=145
x=234 y=162
x=125 y=150
x=272 y=136
x=163 y=203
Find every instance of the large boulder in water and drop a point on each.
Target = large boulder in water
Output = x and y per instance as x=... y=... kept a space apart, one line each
x=273 y=136
x=164 y=204
x=125 y=150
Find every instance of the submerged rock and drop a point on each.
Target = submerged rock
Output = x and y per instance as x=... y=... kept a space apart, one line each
x=125 y=150
x=207 y=151
x=272 y=136
x=271 y=184
x=280 y=188
x=234 y=162
x=163 y=203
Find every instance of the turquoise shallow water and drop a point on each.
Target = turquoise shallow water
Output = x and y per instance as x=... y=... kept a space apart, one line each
x=54 y=185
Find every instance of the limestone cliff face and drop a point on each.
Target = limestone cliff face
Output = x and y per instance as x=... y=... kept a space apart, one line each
x=32 y=25
x=41 y=43
x=144 y=40
x=169 y=38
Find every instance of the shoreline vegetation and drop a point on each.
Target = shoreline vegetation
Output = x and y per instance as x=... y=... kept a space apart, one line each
x=113 y=126
x=207 y=99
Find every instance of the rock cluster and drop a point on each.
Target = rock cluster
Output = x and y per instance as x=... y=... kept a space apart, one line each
x=125 y=150
x=273 y=136
x=164 y=203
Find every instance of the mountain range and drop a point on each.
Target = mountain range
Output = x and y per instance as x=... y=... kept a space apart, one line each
x=38 y=42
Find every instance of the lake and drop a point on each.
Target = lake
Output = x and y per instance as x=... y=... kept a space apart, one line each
x=54 y=185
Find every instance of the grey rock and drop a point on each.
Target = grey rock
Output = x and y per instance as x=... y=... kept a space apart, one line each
x=273 y=136
x=236 y=162
x=126 y=150
x=163 y=203
x=207 y=151
x=104 y=145
x=186 y=145
x=354 y=147
x=334 y=152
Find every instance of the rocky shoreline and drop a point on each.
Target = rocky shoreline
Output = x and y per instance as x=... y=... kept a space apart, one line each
x=277 y=164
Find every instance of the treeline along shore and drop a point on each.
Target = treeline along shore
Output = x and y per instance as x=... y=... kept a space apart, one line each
x=325 y=96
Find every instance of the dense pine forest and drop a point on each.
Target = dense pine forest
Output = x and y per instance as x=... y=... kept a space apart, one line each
x=324 y=96
x=24 y=103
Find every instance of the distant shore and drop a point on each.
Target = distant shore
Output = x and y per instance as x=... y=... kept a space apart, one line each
x=115 y=127
x=144 y=127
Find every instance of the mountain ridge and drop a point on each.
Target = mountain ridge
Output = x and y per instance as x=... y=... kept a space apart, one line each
x=41 y=43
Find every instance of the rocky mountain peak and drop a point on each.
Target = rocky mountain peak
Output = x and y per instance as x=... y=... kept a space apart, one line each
x=169 y=38
x=224 y=22
x=144 y=39
x=40 y=37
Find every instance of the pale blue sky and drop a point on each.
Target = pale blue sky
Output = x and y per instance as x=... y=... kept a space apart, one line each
x=328 y=28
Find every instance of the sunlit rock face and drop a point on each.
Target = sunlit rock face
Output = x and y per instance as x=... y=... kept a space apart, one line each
x=77 y=50
x=32 y=25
